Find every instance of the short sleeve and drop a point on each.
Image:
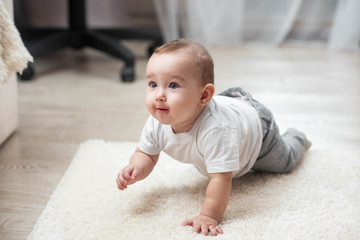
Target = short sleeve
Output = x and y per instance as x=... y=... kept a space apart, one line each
x=221 y=151
x=149 y=143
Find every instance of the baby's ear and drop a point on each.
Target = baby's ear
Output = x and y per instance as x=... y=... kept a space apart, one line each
x=207 y=93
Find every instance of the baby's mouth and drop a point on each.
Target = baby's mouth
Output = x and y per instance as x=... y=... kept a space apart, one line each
x=162 y=109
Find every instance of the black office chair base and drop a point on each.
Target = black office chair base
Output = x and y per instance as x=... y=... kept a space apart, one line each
x=41 y=42
x=127 y=73
x=44 y=41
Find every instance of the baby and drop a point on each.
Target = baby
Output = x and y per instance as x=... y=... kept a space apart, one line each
x=224 y=136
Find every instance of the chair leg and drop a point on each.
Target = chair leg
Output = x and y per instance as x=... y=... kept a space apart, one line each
x=114 y=48
x=48 y=44
x=110 y=46
x=133 y=33
x=40 y=43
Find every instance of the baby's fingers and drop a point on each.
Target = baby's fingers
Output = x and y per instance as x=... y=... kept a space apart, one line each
x=204 y=229
x=130 y=174
x=187 y=222
x=127 y=173
x=215 y=230
x=121 y=182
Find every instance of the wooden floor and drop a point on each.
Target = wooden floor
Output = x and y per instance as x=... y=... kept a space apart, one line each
x=78 y=95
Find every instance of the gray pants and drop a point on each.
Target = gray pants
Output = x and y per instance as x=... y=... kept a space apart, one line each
x=278 y=154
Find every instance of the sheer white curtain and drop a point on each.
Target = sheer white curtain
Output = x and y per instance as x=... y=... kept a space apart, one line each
x=335 y=23
x=345 y=32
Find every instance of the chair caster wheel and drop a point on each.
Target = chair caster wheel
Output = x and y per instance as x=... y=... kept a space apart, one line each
x=128 y=74
x=28 y=73
x=153 y=47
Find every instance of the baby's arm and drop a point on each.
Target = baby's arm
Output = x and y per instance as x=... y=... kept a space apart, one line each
x=217 y=197
x=140 y=166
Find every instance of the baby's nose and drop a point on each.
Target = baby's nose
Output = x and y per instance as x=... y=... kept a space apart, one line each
x=161 y=96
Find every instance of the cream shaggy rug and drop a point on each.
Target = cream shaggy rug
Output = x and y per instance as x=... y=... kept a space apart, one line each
x=320 y=199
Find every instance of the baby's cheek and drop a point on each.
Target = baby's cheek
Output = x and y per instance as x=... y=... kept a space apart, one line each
x=148 y=103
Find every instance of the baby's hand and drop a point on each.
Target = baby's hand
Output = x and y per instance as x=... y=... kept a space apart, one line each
x=128 y=175
x=204 y=224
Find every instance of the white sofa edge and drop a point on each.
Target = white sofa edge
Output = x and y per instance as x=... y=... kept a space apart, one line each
x=8 y=98
x=8 y=108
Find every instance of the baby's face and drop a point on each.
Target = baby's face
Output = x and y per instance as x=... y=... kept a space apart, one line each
x=174 y=90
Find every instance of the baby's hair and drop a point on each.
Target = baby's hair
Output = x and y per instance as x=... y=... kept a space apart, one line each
x=201 y=56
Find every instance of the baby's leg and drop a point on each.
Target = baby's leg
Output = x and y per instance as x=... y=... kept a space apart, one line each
x=278 y=153
x=283 y=153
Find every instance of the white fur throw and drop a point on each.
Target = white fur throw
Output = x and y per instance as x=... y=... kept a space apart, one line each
x=13 y=54
x=320 y=199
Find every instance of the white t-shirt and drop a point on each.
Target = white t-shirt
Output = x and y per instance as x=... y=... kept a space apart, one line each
x=226 y=137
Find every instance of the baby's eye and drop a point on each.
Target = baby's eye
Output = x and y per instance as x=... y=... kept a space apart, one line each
x=153 y=84
x=173 y=85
